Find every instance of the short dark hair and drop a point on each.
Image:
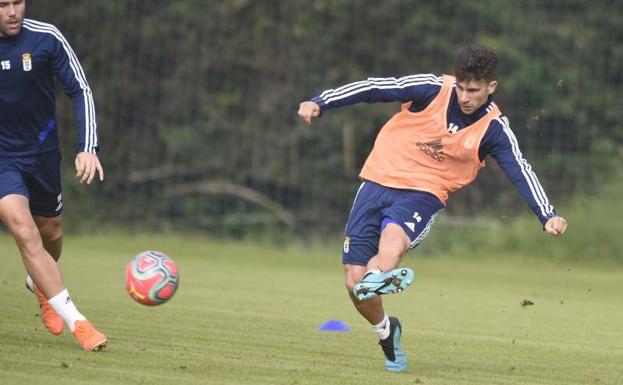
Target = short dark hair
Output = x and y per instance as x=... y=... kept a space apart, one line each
x=475 y=62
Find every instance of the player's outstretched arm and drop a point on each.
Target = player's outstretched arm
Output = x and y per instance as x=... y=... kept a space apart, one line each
x=556 y=225
x=87 y=164
x=308 y=110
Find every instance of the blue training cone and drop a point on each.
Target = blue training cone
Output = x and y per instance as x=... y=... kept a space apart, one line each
x=334 y=326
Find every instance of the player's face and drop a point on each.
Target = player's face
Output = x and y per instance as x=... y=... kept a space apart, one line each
x=472 y=94
x=11 y=17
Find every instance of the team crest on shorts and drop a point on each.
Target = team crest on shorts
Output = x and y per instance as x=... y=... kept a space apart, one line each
x=346 y=244
x=26 y=61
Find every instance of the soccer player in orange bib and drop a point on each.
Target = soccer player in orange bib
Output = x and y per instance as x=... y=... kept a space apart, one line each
x=435 y=145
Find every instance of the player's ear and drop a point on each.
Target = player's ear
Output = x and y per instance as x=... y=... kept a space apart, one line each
x=491 y=87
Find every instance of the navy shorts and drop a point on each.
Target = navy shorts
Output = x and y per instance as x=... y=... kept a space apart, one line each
x=38 y=178
x=374 y=207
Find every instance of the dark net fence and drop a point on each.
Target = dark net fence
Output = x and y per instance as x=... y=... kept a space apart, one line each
x=197 y=102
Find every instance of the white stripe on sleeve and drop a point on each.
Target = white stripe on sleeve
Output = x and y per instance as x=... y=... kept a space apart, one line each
x=535 y=187
x=347 y=90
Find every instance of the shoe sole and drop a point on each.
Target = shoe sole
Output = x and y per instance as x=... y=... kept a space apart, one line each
x=98 y=346
x=391 y=282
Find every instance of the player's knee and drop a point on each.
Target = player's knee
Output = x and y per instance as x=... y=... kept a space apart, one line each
x=24 y=234
x=349 y=284
x=351 y=280
x=354 y=274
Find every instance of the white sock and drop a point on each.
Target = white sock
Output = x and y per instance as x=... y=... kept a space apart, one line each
x=65 y=308
x=382 y=329
x=30 y=283
x=371 y=271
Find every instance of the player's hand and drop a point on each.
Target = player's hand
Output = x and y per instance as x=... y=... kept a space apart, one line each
x=556 y=225
x=308 y=110
x=87 y=165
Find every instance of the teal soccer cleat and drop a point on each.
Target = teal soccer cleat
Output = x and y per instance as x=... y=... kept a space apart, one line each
x=395 y=358
x=375 y=284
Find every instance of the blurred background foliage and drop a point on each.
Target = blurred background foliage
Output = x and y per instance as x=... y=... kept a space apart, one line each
x=197 y=104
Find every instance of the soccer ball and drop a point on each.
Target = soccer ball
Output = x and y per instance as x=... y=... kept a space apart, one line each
x=151 y=278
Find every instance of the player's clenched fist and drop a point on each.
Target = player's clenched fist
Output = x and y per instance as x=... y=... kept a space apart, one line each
x=309 y=110
x=556 y=225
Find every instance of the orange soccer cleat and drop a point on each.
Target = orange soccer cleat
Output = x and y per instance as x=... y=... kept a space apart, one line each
x=51 y=320
x=90 y=339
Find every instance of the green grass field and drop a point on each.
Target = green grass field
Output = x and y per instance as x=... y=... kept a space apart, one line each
x=248 y=314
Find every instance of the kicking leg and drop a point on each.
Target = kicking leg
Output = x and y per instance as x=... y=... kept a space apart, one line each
x=15 y=214
x=383 y=276
x=393 y=245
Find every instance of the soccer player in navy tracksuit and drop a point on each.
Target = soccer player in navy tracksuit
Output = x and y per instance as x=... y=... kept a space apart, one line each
x=31 y=55
x=434 y=146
